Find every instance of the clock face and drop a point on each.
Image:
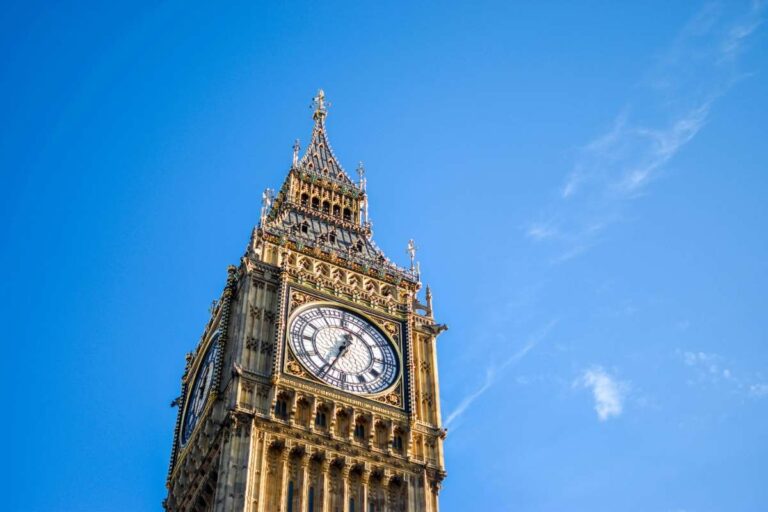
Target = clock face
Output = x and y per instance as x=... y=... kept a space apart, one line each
x=343 y=350
x=198 y=392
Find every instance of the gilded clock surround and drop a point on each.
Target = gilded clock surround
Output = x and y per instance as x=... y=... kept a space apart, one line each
x=390 y=328
x=272 y=437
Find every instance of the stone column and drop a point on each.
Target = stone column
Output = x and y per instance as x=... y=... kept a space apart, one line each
x=332 y=411
x=256 y=471
x=292 y=409
x=352 y=425
x=232 y=480
x=364 y=476
x=313 y=414
x=435 y=488
x=345 y=486
x=386 y=482
x=304 y=472
x=371 y=421
x=285 y=468
x=325 y=497
x=261 y=493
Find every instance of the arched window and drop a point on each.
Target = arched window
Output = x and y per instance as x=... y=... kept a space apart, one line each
x=302 y=412
x=304 y=199
x=336 y=210
x=397 y=443
x=316 y=203
x=342 y=424
x=326 y=207
x=311 y=499
x=347 y=214
x=281 y=408
x=360 y=431
x=321 y=418
x=381 y=436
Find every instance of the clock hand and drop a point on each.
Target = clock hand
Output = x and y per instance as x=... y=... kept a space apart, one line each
x=343 y=348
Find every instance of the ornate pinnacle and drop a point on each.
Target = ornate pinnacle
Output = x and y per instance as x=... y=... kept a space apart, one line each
x=296 y=148
x=321 y=109
x=267 y=197
x=361 y=174
x=412 y=253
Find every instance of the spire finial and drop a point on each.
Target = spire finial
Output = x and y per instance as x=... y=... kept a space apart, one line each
x=361 y=175
x=296 y=148
x=267 y=197
x=412 y=253
x=321 y=106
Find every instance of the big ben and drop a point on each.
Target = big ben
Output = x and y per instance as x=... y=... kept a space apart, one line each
x=314 y=385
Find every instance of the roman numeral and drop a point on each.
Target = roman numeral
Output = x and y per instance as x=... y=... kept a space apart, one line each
x=374 y=373
x=361 y=379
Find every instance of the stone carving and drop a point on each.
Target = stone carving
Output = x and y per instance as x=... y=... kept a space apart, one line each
x=294 y=368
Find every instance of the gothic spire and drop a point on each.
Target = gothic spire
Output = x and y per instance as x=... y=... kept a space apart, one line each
x=318 y=158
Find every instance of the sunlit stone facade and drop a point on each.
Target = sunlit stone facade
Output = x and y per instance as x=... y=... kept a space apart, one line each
x=314 y=386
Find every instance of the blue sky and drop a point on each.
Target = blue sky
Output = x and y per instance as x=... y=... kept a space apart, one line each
x=586 y=183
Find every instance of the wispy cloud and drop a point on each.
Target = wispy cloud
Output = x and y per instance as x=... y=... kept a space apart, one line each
x=711 y=365
x=713 y=370
x=672 y=107
x=759 y=390
x=607 y=391
x=493 y=372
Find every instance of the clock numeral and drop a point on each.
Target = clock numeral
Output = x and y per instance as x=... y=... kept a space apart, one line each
x=361 y=379
x=374 y=372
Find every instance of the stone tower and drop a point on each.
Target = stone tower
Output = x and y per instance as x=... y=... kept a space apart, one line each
x=314 y=384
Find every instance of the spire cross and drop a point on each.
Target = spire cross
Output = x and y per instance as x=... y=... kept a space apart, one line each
x=321 y=107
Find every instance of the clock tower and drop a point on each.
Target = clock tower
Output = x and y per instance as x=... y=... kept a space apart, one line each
x=314 y=385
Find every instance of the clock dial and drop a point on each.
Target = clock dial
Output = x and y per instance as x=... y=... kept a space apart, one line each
x=343 y=350
x=198 y=392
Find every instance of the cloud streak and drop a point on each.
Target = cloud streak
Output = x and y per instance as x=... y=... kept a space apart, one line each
x=673 y=106
x=493 y=372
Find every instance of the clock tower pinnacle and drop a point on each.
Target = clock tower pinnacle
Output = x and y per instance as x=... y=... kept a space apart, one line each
x=314 y=385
